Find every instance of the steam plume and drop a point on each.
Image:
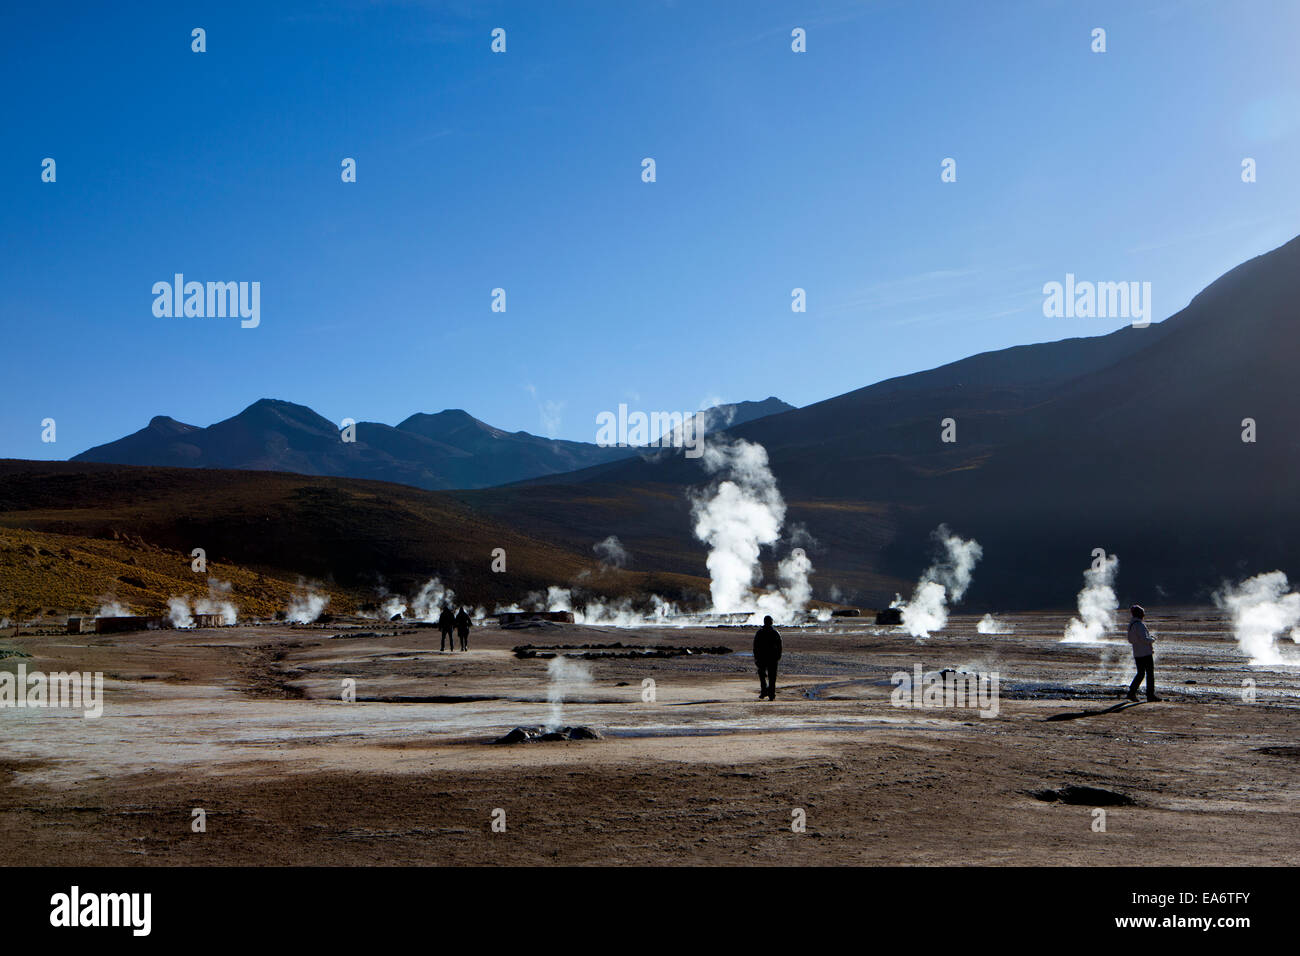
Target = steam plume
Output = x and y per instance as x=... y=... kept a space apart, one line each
x=1097 y=602
x=1262 y=609
x=178 y=612
x=566 y=678
x=306 y=605
x=109 y=607
x=787 y=602
x=217 y=602
x=611 y=552
x=433 y=597
x=945 y=580
x=739 y=513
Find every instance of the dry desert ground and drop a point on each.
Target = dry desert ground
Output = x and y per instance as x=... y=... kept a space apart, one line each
x=248 y=724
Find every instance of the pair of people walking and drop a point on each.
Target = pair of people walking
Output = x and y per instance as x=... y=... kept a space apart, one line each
x=449 y=623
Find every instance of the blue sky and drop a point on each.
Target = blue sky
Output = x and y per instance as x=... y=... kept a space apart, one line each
x=522 y=170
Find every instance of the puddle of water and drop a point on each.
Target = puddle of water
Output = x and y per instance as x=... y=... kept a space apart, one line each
x=724 y=730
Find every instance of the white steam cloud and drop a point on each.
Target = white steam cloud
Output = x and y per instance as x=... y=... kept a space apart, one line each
x=109 y=607
x=1097 y=602
x=736 y=516
x=611 y=552
x=787 y=602
x=990 y=625
x=178 y=612
x=433 y=597
x=218 y=602
x=567 y=677
x=946 y=580
x=305 y=605
x=1262 y=609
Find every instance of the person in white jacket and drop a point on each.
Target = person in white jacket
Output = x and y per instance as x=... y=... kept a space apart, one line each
x=1143 y=654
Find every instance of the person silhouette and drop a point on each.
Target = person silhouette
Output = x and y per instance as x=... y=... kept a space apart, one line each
x=1143 y=653
x=767 y=652
x=446 y=624
x=462 y=628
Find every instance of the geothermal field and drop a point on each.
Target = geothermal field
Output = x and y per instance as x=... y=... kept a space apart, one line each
x=358 y=743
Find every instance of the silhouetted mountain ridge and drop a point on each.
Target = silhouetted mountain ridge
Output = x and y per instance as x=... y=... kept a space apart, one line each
x=447 y=449
x=1130 y=441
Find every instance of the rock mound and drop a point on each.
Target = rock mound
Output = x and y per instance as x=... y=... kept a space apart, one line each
x=1081 y=796
x=527 y=735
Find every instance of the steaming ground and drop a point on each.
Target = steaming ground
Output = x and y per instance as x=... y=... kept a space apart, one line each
x=246 y=723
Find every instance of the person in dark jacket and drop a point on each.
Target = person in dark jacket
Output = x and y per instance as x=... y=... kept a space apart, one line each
x=447 y=624
x=767 y=652
x=1143 y=654
x=462 y=628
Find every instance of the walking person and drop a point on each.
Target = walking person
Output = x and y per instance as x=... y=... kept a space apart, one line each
x=447 y=624
x=462 y=628
x=767 y=652
x=1143 y=653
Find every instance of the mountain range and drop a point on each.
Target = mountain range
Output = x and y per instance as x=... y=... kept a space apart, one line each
x=1131 y=442
x=449 y=449
x=1175 y=446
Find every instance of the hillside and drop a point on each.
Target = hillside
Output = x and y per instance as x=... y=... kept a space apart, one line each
x=354 y=538
x=1130 y=441
x=47 y=575
x=1126 y=441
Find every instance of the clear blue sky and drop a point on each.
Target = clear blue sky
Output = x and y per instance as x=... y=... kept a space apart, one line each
x=522 y=170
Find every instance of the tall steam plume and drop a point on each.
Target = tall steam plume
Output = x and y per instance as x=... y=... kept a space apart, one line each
x=1097 y=602
x=566 y=678
x=739 y=513
x=944 y=581
x=432 y=598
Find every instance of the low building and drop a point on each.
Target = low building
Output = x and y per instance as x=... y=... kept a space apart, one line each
x=119 y=625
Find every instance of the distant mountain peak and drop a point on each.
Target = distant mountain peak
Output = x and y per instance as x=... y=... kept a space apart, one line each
x=165 y=423
x=446 y=449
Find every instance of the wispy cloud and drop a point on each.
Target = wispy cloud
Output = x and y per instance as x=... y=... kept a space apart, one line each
x=549 y=412
x=1203 y=234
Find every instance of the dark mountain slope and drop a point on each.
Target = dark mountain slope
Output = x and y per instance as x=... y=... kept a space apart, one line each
x=1129 y=441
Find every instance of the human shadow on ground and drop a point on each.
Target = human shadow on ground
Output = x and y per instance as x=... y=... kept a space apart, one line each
x=1076 y=715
